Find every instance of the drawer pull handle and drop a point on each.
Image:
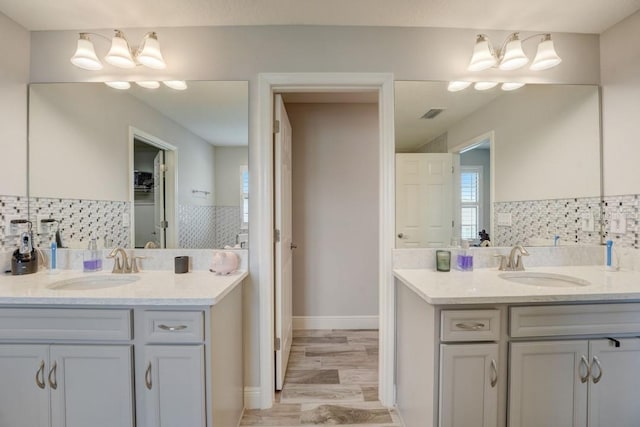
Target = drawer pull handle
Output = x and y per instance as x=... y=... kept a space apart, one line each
x=583 y=362
x=470 y=326
x=494 y=373
x=173 y=328
x=53 y=382
x=40 y=376
x=596 y=362
x=147 y=377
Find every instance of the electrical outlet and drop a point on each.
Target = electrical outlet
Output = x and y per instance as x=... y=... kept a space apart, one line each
x=126 y=220
x=504 y=219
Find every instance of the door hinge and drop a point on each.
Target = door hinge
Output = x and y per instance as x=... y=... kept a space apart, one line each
x=277 y=344
x=452 y=168
x=276 y=126
x=276 y=235
x=164 y=224
x=163 y=168
x=453 y=224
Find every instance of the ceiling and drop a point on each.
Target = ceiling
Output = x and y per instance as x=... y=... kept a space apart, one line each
x=577 y=16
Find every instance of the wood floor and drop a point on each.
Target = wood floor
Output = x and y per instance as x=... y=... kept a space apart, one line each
x=332 y=379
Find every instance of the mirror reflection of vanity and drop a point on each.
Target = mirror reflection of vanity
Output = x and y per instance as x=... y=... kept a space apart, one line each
x=135 y=168
x=537 y=151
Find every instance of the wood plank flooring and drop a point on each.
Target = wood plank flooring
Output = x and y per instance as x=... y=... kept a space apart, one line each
x=332 y=379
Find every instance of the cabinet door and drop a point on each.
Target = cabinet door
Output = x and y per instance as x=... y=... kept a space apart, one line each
x=24 y=394
x=174 y=386
x=548 y=384
x=91 y=386
x=613 y=386
x=468 y=385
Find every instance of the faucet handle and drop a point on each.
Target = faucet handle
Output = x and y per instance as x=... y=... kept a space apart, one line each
x=504 y=259
x=117 y=267
x=134 y=263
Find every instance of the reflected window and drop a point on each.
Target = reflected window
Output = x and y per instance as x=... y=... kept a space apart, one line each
x=470 y=201
x=244 y=196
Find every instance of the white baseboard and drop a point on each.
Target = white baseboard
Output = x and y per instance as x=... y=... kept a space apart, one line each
x=335 y=322
x=252 y=398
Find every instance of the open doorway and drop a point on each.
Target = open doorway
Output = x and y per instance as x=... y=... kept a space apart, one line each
x=152 y=191
x=474 y=185
x=321 y=82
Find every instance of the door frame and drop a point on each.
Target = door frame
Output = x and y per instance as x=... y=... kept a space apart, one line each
x=170 y=182
x=466 y=146
x=268 y=83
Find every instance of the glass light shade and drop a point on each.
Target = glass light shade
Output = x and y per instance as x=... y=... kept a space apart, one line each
x=85 y=56
x=511 y=86
x=176 y=84
x=546 y=56
x=150 y=54
x=119 y=85
x=483 y=56
x=514 y=56
x=484 y=85
x=456 y=86
x=149 y=84
x=120 y=54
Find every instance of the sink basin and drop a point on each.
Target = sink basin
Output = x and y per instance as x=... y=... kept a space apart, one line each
x=93 y=282
x=551 y=280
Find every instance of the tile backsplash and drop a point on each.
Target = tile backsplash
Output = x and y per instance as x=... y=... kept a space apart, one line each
x=200 y=227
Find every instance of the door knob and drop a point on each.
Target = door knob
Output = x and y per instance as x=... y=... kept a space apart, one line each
x=401 y=236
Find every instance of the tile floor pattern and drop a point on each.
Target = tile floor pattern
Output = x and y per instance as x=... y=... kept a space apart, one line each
x=332 y=379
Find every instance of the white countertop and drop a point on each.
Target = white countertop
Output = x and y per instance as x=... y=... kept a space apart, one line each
x=484 y=286
x=201 y=288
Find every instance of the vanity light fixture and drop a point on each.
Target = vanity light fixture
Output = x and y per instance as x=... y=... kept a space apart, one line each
x=458 y=85
x=485 y=85
x=120 y=54
x=176 y=84
x=511 y=56
x=119 y=85
x=148 y=84
x=508 y=86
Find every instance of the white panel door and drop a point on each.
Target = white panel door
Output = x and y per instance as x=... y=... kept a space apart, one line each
x=468 y=385
x=91 y=385
x=174 y=382
x=284 y=245
x=614 y=382
x=548 y=384
x=24 y=393
x=424 y=200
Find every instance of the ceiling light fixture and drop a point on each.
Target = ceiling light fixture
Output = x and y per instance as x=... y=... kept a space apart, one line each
x=511 y=56
x=120 y=54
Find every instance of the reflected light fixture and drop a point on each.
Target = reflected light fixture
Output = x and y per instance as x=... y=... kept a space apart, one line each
x=511 y=86
x=456 y=86
x=121 y=54
x=485 y=85
x=511 y=56
x=176 y=84
x=119 y=85
x=148 y=84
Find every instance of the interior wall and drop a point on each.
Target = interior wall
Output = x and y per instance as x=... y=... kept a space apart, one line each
x=241 y=53
x=335 y=209
x=93 y=121
x=558 y=128
x=14 y=76
x=227 y=174
x=481 y=157
x=620 y=70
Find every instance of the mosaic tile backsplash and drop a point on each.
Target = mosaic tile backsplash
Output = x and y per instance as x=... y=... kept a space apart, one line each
x=105 y=219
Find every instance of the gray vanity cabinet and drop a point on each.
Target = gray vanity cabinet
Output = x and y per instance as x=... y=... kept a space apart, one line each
x=65 y=385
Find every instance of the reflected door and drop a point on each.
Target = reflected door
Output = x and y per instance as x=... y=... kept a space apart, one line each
x=424 y=201
x=160 y=221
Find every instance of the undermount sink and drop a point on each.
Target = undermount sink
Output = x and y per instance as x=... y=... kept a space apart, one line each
x=543 y=279
x=93 y=282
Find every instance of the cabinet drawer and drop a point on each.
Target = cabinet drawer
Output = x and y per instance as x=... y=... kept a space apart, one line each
x=174 y=326
x=587 y=319
x=65 y=324
x=470 y=325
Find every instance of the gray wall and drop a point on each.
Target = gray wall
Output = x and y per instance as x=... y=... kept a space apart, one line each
x=14 y=76
x=240 y=53
x=335 y=209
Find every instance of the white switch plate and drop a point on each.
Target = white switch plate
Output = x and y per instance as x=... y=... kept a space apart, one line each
x=126 y=220
x=588 y=223
x=618 y=223
x=504 y=219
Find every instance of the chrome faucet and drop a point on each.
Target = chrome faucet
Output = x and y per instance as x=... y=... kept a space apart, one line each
x=122 y=263
x=514 y=261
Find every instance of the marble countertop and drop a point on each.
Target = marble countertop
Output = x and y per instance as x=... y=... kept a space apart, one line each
x=484 y=286
x=200 y=288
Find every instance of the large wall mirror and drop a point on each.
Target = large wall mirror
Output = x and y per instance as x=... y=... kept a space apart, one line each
x=510 y=167
x=159 y=168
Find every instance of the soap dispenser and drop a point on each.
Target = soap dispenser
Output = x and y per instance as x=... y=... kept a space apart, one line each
x=25 y=258
x=92 y=261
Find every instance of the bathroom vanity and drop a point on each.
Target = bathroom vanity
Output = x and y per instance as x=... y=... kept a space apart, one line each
x=476 y=349
x=165 y=350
